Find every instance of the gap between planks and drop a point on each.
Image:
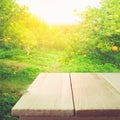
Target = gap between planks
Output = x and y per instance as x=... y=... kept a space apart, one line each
x=72 y=94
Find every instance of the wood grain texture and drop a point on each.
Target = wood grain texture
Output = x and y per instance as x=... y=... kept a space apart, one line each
x=113 y=79
x=94 y=96
x=49 y=95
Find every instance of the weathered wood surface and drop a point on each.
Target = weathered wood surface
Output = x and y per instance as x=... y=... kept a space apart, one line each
x=49 y=95
x=74 y=96
x=113 y=79
x=94 y=95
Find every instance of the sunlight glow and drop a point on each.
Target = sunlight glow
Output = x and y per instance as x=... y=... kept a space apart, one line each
x=58 y=11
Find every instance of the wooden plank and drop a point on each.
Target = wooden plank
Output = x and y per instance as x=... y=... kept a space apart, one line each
x=69 y=118
x=113 y=79
x=49 y=95
x=94 y=96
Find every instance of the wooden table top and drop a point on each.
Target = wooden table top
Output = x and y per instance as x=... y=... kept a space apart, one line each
x=71 y=94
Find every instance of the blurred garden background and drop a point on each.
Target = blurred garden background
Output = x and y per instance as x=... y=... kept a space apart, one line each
x=29 y=46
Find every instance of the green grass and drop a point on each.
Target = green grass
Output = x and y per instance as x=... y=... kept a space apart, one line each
x=17 y=71
x=85 y=64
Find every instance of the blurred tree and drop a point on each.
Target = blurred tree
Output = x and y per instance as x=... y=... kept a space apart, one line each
x=8 y=9
x=101 y=26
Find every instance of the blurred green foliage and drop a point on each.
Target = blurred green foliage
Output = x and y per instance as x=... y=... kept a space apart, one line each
x=29 y=46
